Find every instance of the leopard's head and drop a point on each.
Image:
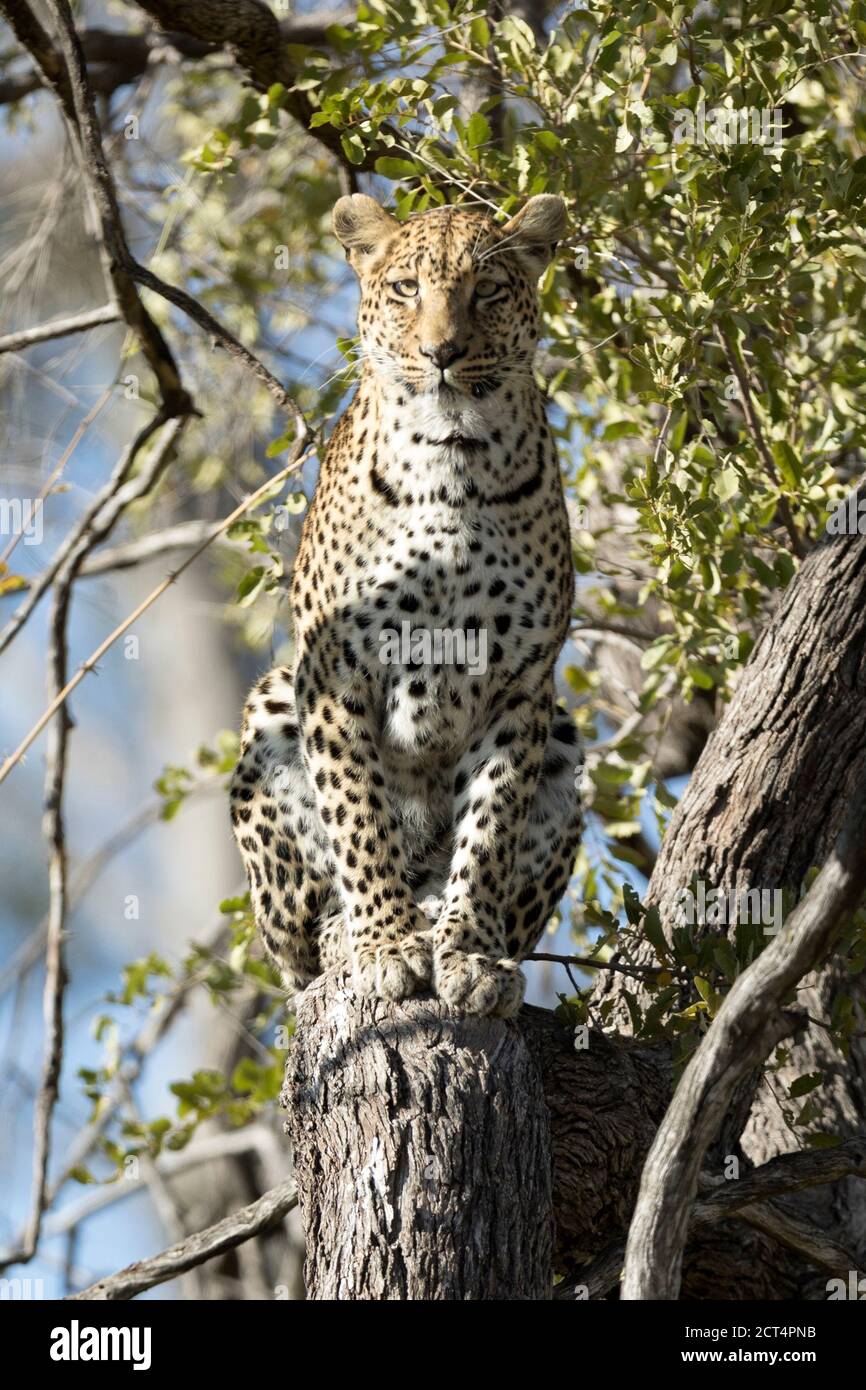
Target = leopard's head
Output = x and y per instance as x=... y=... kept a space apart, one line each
x=449 y=303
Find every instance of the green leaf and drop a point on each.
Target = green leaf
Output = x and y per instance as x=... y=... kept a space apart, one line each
x=804 y=1084
x=81 y=1174
x=652 y=926
x=279 y=446
x=231 y=905
x=477 y=131
x=393 y=168
x=353 y=148
x=726 y=484
x=631 y=903
x=480 y=32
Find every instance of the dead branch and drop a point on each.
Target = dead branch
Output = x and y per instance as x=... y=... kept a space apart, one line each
x=85 y=532
x=59 y=328
x=227 y=1234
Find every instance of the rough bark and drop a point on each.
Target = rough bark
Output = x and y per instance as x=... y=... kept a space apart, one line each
x=422 y=1152
x=605 y=1102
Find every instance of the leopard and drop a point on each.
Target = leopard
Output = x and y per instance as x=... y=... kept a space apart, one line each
x=406 y=811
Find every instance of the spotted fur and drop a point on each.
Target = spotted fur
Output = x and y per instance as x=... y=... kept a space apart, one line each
x=415 y=819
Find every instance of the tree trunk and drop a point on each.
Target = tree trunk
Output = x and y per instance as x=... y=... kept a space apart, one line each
x=422 y=1151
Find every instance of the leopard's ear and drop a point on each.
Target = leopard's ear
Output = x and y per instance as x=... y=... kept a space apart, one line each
x=361 y=226
x=535 y=230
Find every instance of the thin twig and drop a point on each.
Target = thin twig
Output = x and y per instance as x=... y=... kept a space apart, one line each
x=85 y=526
x=639 y=972
x=59 y=328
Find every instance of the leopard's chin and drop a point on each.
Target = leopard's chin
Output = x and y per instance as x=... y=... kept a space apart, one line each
x=449 y=414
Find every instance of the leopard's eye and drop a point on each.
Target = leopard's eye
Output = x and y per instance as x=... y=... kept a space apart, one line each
x=486 y=289
x=406 y=289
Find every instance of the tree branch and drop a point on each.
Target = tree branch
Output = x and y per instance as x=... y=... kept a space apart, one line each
x=748 y=1198
x=222 y=336
x=59 y=328
x=251 y=33
x=116 y=59
x=639 y=972
x=227 y=1234
x=183 y=536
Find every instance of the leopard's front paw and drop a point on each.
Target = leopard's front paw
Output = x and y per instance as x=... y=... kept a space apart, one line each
x=477 y=984
x=392 y=969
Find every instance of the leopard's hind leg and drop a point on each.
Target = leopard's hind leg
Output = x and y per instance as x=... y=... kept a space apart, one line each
x=284 y=846
x=545 y=859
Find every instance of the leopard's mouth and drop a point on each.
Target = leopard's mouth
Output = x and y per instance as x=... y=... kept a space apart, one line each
x=459 y=441
x=477 y=386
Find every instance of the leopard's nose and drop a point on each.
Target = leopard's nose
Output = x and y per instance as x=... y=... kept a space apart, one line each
x=443 y=354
